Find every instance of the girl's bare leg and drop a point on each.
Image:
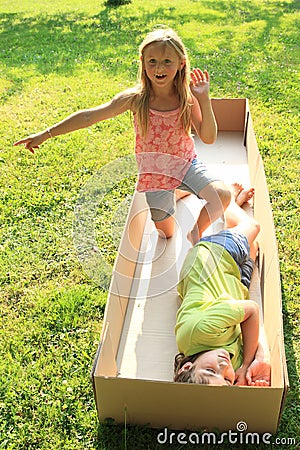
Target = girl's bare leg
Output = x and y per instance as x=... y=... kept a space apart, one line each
x=166 y=227
x=179 y=194
x=217 y=197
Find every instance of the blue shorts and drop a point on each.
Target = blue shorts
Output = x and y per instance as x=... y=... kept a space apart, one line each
x=162 y=203
x=237 y=246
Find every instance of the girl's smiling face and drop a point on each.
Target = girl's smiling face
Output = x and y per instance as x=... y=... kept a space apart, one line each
x=216 y=366
x=161 y=63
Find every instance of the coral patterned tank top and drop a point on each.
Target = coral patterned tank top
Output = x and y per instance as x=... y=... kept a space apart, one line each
x=165 y=154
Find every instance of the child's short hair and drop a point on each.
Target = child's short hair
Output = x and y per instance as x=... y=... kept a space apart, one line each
x=187 y=376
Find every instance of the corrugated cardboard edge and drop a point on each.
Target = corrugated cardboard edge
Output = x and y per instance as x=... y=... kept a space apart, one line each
x=136 y=217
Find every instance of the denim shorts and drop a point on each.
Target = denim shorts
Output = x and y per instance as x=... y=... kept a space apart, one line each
x=162 y=203
x=237 y=246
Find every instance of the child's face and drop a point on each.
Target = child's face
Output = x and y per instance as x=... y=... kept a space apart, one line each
x=216 y=366
x=161 y=63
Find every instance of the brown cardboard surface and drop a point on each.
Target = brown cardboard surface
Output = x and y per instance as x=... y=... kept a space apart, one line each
x=188 y=406
x=133 y=367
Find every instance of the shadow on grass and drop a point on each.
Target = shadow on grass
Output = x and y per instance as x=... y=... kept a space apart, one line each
x=109 y=40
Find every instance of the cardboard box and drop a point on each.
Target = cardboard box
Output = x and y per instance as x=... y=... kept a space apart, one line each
x=133 y=367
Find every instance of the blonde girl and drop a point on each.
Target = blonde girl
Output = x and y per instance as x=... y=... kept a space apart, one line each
x=166 y=104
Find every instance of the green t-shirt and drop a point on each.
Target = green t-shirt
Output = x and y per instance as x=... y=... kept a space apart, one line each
x=209 y=316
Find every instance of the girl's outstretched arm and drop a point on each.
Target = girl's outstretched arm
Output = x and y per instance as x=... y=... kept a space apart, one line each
x=203 y=117
x=80 y=119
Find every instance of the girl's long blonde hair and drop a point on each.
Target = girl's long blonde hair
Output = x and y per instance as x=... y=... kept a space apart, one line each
x=181 y=81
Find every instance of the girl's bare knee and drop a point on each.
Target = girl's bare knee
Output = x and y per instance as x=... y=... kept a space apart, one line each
x=256 y=227
x=166 y=227
x=164 y=235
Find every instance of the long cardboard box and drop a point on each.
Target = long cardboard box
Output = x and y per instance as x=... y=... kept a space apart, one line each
x=133 y=367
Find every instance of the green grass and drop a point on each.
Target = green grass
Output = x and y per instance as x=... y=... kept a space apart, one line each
x=57 y=57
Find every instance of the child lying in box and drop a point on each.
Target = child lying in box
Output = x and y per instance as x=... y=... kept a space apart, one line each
x=218 y=330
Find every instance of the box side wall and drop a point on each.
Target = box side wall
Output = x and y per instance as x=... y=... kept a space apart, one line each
x=179 y=406
x=229 y=113
x=268 y=259
x=119 y=291
x=104 y=364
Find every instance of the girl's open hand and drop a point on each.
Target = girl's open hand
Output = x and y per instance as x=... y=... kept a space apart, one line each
x=259 y=373
x=33 y=141
x=199 y=82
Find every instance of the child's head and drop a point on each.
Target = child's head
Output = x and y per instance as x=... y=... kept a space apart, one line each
x=166 y=39
x=209 y=367
x=171 y=50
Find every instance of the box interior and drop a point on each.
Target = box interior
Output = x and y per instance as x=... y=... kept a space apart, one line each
x=138 y=341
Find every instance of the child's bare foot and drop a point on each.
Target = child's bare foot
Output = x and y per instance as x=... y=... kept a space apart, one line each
x=244 y=196
x=235 y=189
x=240 y=194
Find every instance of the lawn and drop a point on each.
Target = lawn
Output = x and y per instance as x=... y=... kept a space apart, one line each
x=60 y=56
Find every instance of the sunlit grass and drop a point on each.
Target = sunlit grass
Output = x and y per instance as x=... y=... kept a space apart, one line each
x=57 y=57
